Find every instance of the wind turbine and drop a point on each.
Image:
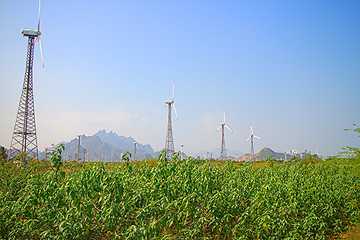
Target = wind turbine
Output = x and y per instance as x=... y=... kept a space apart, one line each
x=169 y=143
x=251 y=137
x=24 y=135
x=223 y=149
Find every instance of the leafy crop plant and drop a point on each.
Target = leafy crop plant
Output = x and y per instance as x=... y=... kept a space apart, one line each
x=176 y=199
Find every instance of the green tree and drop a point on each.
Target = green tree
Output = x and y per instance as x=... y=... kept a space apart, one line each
x=355 y=129
x=352 y=152
x=55 y=157
x=3 y=155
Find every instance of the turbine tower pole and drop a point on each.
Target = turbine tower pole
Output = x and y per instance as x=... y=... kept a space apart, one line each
x=223 y=148
x=24 y=135
x=169 y=144
x=252 y=145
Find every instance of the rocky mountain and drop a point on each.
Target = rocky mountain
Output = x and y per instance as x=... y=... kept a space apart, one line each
x=267 y=152
x=105 y=146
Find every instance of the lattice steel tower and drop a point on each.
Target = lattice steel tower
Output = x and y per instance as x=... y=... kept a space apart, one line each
x=223 y=148
x=169 y=143
x=24 y=136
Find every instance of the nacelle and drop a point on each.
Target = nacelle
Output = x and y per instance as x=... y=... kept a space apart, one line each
x=29 y=32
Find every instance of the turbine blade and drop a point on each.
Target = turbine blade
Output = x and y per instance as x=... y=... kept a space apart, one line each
x=228 y=128
x=224 y=115
x=175 y=111
x=42 y=58
x=39 y=18
x=218 y=128
x=257 y=137
x=251 y=130
x=248 y=138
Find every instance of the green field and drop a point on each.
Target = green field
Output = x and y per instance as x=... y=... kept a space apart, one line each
x=176 y=199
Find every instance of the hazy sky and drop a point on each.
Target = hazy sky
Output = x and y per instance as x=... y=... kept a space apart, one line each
x=291 y=68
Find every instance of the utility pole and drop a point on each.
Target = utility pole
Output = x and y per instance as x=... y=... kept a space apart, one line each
x=46 y=153
x=182 y=151
x=84 y=155
x=112 y=156
x=135 y=151
x=78 y=150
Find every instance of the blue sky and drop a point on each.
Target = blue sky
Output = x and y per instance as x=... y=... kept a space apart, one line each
x=290 y=68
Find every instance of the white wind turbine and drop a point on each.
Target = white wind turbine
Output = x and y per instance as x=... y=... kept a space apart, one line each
x=24 y=137
x=251 y=138
x=169 y=143
x=223 y=149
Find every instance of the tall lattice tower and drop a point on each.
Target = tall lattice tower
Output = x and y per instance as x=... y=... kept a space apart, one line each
x=24 y=136
x=169 y=143
x=223 y=148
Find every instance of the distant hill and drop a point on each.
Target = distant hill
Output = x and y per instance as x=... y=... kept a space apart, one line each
x=100 y=147
x=266 y=153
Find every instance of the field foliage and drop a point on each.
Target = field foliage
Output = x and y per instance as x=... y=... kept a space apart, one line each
x=176 y=199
